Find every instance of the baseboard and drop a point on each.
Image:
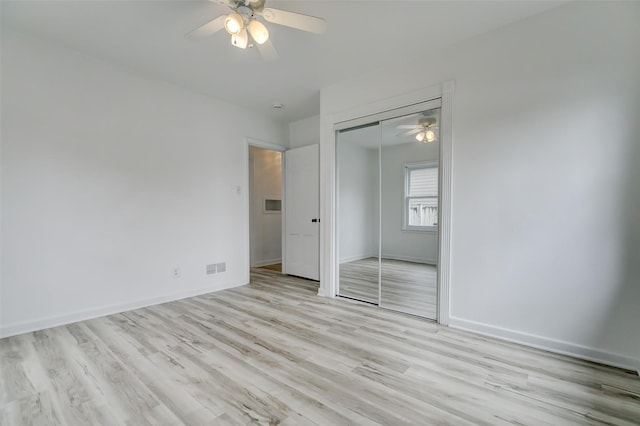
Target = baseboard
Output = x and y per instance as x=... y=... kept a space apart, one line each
x=322 y=292
x=390 y=257
x=266 y=262
x=58 y=320
x=547 y=344
x=409 y=259
x=356 y=258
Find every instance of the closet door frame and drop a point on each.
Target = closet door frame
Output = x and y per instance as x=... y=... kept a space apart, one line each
x=417 y=101
x=354 y=125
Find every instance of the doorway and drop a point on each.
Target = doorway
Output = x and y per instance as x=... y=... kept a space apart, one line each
x=265 y=208
x=282 y=209
x=388 y=212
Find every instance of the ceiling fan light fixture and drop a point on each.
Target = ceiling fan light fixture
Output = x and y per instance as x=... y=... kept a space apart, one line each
x=426 y=135
x=258 y=31
x=430 y=135
x=241 y=39
x=234 y=23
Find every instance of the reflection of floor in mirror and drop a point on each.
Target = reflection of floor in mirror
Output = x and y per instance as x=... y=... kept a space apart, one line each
x=359 y=279
x=406 y=286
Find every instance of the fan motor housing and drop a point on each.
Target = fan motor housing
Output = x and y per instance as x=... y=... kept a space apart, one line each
x=253 y=5
x=246 y=13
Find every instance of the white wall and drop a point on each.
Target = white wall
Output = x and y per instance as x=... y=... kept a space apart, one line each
x=358 y=189
x=546 y=206
x=412 y=246
x=265 y=180
x=109 y=181
x=304 y=132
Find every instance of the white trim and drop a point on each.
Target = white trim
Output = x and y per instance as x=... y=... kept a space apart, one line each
x=283 y=206
x=87 y=314
x=328 y=246
x=379 y=214
x=265 y=145
x=247 y=203
x=328 y=237
x=357 y=257
x=413 y=229
x=391 y=256
x=387 y=114
x=445 y=204
x=547 y=344
x=246 y=211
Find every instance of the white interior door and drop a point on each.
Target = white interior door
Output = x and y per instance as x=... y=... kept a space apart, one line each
x=302 y=222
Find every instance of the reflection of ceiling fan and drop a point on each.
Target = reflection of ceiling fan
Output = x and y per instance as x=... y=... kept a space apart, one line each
x=425 y=130
x=243 y=21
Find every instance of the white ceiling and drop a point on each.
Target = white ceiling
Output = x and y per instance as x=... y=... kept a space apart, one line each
x=148 y=36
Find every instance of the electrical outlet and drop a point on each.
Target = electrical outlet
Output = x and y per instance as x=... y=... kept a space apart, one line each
x=176 y=272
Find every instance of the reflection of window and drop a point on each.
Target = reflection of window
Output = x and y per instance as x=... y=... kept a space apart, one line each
x=421 y=196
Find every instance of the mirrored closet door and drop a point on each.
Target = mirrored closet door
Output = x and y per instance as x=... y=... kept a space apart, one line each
x=387 y=212
x=358 y=166
x=409 y=216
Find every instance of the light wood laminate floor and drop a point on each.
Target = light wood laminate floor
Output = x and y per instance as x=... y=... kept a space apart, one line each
x=273 y=352
x=406 y=286
x=274 y=267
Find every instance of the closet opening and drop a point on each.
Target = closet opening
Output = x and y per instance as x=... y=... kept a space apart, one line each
x=387 y=210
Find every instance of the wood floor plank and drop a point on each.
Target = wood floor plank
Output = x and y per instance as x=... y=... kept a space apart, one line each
x=15 y=384
x=176 y=392
x=272 y=352
x=70 y=389
x=36 y=409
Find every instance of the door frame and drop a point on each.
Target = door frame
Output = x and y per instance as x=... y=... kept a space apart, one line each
x=257 y=143
x=328 y=211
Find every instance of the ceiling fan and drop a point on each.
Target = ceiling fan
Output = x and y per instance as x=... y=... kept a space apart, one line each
x=425 y=130
x=242 y=24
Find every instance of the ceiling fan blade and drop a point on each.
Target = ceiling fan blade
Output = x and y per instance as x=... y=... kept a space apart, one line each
x=409 y=133
x=409 y=126
x=208 y=29
x=295 y=20
x=267 y=51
